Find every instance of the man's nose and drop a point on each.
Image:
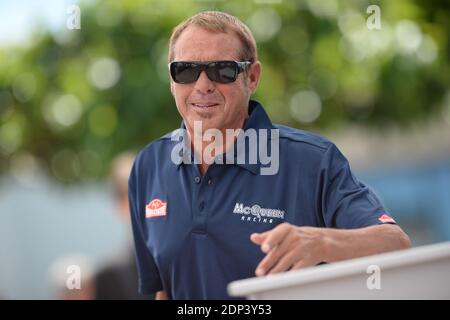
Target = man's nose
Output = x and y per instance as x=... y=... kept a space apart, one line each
x=203 y=84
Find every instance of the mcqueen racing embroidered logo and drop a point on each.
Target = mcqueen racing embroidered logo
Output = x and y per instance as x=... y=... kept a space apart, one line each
x=257 y=214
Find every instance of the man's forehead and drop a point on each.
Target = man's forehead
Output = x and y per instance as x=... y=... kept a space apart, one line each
x=197 y=44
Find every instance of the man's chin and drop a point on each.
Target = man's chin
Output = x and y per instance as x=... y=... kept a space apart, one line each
x=203 y=124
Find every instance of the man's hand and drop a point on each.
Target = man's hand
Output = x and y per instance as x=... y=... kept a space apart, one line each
x=161 y=295
x=289 y=247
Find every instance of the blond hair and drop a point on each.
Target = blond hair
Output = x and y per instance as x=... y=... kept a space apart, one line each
x=216 y=21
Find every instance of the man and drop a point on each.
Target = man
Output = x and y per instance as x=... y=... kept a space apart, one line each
x=199 y=227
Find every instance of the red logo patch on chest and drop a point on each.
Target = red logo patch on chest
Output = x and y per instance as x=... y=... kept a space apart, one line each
x=156 y=208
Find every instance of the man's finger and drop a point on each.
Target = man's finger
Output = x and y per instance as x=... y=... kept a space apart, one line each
x=275 y=236
x=301 y=264
x=274 y=255
x=285 y=263
x=258 y=238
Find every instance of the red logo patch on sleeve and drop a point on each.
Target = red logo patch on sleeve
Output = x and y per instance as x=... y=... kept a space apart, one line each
x=386 y=219
x=156 y=208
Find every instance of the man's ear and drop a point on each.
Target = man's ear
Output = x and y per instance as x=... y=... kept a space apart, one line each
x=254 y=73
x=172 y=88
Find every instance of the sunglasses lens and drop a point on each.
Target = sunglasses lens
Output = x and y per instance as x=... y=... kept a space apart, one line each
x=183 y=72
x=223 y=72
x=219 y=71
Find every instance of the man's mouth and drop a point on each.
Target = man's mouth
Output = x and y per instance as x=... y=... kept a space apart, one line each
x=205 y=105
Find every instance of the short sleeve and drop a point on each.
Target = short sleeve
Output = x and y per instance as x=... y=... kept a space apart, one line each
x=149 y=280
x=346 y=202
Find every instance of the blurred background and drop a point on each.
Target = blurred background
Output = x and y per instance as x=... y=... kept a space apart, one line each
x=72 y=101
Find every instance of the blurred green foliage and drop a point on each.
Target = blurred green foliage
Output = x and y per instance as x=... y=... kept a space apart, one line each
x=70 y=101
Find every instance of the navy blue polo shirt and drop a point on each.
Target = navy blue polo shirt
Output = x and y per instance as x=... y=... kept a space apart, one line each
x=192 y=232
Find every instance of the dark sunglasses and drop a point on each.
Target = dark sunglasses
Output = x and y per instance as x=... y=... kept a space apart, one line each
x=217 y=71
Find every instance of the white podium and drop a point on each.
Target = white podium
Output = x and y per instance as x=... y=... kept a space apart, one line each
x=417 y=273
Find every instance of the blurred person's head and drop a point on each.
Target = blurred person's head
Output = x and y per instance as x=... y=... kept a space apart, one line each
x=206 y=37
x=119 y=173
x=71 y=278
